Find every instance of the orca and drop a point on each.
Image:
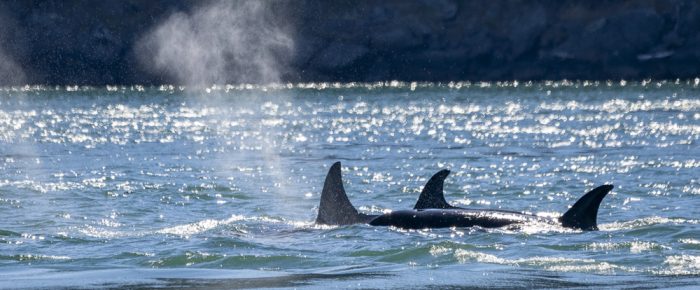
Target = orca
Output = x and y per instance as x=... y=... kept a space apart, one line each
x=432 y=211
x=582 y=215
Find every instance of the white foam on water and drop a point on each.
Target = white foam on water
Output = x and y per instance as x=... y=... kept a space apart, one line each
x=108 y=229
x=680 y=265
x=557 y=264
x=643 y=222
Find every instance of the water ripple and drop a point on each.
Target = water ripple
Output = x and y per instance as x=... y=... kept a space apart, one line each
x=229 y=176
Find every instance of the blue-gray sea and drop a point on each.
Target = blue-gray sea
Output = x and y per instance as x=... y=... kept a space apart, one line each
x=172 y=187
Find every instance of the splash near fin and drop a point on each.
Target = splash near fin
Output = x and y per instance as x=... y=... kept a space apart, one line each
x=584 y=213
x=335 y=207
x=432 y=195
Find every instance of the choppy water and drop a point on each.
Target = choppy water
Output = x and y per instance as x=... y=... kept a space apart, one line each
x=102 y=187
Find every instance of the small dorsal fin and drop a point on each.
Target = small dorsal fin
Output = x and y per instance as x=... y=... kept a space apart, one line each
x=432 y=195
x=584 y=213
x=335 y=207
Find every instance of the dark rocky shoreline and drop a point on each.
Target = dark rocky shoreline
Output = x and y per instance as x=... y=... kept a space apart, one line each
x=93 y=42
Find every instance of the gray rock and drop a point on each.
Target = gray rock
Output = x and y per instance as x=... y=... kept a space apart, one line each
x=443 y=9
x=94 y=42
x=396 y=38
x=620 y=36
x=338 y=55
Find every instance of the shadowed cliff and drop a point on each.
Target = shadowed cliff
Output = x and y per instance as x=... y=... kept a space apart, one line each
x=100 y=42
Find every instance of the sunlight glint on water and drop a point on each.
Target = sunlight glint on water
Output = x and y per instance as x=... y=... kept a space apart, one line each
x=228 y=178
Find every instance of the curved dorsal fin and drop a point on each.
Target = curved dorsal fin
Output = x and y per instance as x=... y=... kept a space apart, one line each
x=584 y=213
x=335 y=207
x=432 y=195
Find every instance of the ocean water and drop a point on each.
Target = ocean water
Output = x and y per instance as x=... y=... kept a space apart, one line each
x=104 y=187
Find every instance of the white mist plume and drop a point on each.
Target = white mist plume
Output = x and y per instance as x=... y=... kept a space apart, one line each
x=228 y=42
x=223 y=42
x=11 y=73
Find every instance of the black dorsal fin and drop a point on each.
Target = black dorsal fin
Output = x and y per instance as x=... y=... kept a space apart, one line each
x=335 y=207
x=584 y=213
x=432 y=195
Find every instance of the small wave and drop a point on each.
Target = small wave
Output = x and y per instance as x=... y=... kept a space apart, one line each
x=187 y=230
x=536 y=228
x=110 y=231
x=464 y=256
x=558 y=264
x=43 y=187
x=323 y=227
x=672 y=265
x=100 y=233
x=681 y=265
x=439 y=250
x=598 y=267
x=189 y=258
x=690 y=241
x=135 y=254
x=643 y=222
x=634 y=247
x=6 y=233
x=33 y=257
x=192 y=258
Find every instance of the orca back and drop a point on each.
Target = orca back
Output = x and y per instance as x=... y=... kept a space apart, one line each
x=447 y=218
x=582 y=215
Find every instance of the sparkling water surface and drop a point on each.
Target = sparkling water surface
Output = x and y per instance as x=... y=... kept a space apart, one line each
x=218 y=187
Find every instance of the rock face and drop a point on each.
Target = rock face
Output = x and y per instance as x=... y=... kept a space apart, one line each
x=95 y=42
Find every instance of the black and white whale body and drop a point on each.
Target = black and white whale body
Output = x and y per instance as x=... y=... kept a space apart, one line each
x=432 y=211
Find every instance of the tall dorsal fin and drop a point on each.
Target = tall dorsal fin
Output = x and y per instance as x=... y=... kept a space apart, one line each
x=335 y=207
x=432 y=195
x=584 y=213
